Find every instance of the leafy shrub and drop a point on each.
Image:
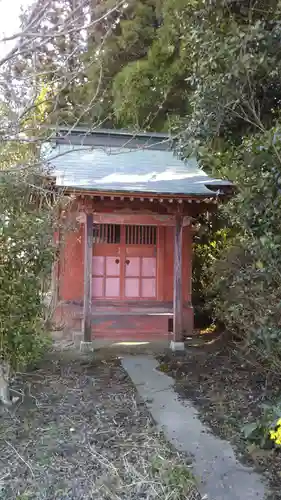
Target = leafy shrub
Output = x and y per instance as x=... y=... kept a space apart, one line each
x=210 y=240
x=26 y=254
x=246 y=278
x=265 y=431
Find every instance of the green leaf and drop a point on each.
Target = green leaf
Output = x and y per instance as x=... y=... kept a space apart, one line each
x=249 y=429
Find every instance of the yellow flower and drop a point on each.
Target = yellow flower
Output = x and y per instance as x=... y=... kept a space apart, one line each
x=276 y=435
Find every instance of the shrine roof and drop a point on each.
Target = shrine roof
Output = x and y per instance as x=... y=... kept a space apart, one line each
x=120 y=161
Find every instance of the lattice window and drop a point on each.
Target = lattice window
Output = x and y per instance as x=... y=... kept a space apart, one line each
x=107 y=233
x=141 y=235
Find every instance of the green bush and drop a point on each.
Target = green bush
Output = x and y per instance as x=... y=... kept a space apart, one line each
x=26 y=253
x=210 y=240
x=246 y=279
x=262 y=432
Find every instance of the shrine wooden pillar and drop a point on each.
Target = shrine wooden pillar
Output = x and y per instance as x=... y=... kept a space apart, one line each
x=88 y=259
x=177 y=342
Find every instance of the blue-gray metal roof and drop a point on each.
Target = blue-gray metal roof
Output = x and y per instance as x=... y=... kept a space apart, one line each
x=127 y=169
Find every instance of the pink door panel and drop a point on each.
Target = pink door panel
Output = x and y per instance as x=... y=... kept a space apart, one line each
x=97 y=290
x=132 y=286
x=148 y=267
x=112 y=266
x=98 y=266
x=132 y=266
x=112 y=287
x=148 y=288
x=106 y=277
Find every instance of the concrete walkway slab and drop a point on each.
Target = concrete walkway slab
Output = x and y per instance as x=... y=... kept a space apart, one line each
x=220 y=474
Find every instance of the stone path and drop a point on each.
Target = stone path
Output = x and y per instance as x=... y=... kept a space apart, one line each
x=220 y=475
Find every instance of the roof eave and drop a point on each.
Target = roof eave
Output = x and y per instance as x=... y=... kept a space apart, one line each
x=137 y=194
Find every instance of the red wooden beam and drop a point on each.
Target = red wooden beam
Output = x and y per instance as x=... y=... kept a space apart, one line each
x=178 y=298
x=88 y=253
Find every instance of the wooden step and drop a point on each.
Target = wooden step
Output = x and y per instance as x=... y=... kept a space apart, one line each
x=128 y=326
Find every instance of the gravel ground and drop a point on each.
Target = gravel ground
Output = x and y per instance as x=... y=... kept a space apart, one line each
x=79 y=432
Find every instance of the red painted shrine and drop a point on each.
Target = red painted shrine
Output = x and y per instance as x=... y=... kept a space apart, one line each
x=125 y=264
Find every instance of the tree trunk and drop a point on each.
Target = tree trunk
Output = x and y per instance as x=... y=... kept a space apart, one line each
x=5 y=371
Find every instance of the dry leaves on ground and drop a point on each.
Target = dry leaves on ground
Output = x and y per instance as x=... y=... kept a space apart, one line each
x=81 y=433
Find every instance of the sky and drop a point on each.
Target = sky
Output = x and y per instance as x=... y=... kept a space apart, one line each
x=9 y=20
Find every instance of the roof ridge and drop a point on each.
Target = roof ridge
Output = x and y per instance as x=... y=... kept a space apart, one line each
x=111 y=132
